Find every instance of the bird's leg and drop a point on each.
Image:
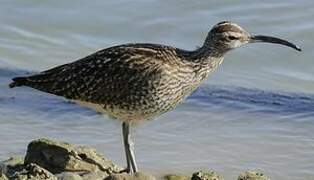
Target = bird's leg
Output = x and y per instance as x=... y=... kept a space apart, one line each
x=132 y=156
x=128 y=146
x=125 y=132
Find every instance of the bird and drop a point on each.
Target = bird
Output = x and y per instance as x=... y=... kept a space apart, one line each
x=140 y=81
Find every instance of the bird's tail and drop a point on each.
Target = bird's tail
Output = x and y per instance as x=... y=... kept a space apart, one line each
x=18 y=81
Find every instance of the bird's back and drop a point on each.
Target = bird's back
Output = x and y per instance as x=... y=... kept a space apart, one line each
x=127 y=82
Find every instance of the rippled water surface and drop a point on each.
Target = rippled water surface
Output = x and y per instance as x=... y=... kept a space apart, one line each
x=255 y=112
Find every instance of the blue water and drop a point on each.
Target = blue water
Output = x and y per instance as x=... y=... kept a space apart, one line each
x=255 y=112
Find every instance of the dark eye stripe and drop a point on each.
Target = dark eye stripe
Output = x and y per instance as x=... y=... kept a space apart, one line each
x=232 y=37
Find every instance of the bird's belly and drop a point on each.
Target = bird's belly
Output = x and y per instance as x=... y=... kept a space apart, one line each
x=139 y=109
x=96 y=107
x=120 y=113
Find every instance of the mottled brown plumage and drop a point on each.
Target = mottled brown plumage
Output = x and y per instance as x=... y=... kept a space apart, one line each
x=131 y=82
x=135 y=82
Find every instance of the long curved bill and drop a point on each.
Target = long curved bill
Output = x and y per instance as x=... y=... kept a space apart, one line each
x=269 y=39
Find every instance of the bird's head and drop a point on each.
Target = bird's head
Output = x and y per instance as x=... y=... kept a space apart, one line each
x=226 y=35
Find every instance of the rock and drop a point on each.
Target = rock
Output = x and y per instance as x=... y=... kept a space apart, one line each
x=206 y=175
x=136 y=176
x=12 y=161
x=58 y=157
x=252 y=175
x=176 y=177
x=7 y=165
x=68 y=161
x=3 y=176
x=69 y=176
x=94 y=176
x=49 y=160
x=81 y=176
x=30 y=172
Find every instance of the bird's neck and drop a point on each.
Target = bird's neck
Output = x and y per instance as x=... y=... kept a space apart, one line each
x=206 y=55
x=205 y=61
x=215 y=47
x=207 y=51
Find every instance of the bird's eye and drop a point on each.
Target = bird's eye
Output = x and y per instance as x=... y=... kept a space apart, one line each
x=232 y=38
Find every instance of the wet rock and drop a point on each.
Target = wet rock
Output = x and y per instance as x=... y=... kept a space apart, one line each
x=176 y=177
x=136 y=176
x=206 y=175
x=58 y=157
x=252 y=175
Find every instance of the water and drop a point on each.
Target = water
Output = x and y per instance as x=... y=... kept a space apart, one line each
x=255 y=112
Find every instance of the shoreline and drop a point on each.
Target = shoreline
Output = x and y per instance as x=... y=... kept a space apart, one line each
x=53 y=160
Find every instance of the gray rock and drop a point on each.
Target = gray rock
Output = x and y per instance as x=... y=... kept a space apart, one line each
x=206 y=175
x=136 y=176
x=252 y=175
x=58 y=157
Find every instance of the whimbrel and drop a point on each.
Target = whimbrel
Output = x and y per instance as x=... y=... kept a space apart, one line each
x=136 y=82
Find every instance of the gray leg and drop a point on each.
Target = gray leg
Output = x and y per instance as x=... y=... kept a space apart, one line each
x=125 y=132
x=132 y=156
x=129 y=148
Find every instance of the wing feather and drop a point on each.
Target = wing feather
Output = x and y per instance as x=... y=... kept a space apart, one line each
x=109 y=75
